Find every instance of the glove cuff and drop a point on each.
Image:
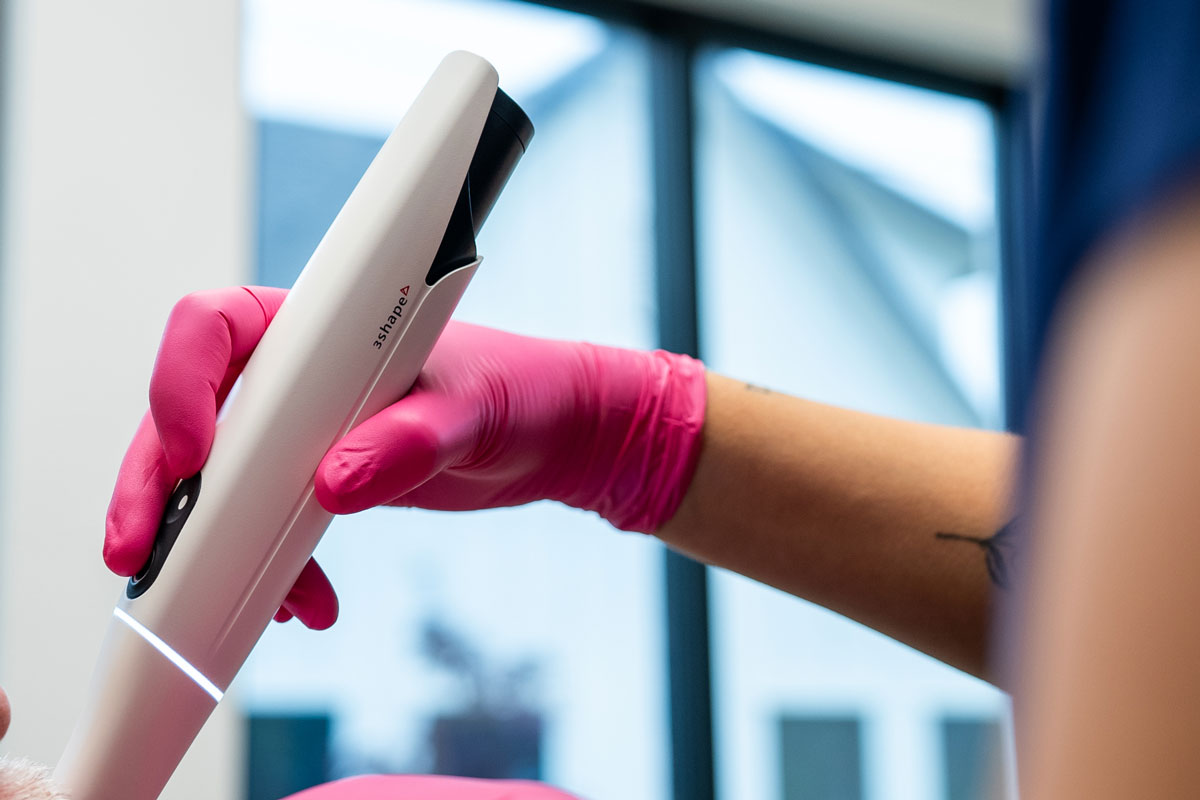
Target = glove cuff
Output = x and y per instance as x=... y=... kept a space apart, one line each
x=650 y=420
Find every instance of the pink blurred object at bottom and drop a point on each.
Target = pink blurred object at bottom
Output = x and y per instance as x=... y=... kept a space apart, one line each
x=429 y=787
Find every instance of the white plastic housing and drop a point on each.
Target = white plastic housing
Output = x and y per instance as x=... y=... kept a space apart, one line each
x=315 y=374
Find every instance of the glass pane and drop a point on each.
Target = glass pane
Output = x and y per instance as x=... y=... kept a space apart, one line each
x=848 y=255
x=821 y=758
x=973 y=753
x=286 y=753
x=514 y=643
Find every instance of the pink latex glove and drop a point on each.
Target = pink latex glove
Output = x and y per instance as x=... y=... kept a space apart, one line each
x=494 y=420
x=428 y=787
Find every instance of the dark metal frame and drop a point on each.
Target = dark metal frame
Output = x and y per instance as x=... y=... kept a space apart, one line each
x=675 y=38
x=1014 y=184
x=696 y=29
x=689 y=688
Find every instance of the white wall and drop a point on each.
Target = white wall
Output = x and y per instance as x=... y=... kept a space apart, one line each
x=982 y=39
x=125 y=186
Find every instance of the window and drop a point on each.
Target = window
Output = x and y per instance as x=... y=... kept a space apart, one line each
x=846 y=243
x=286 y=753
x=821 y=758
x=847 y=254
x=973 y=756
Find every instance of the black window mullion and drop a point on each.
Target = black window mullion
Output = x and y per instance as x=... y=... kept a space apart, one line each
x=1014 y=177
x=672 y=61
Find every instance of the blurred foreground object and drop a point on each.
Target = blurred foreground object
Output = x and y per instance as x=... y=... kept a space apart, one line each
x=428 y=787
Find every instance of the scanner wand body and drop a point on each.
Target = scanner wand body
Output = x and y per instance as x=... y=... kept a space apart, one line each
x=349 y=340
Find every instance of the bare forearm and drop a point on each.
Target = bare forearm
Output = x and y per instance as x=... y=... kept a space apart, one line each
x=891 y=523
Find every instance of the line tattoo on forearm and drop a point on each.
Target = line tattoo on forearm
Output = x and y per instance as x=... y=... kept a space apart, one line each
x=750 y=387
x=999 y=549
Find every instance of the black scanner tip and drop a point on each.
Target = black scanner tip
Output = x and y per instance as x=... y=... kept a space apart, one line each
x=511 y=114
x=505 y=136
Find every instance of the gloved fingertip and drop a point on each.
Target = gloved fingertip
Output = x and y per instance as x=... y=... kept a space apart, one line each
x=120 y=554
x=321 y=622
x=312 y=599
x=316 y=614
x=387 y=457
x=116 y=560
x=282 y=615
x=337 y=503
x=339 y=485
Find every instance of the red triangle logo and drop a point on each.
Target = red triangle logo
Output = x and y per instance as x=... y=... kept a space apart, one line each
x=404 y=291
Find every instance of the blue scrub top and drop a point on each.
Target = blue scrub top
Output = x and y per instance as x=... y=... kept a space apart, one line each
x=1121 y=132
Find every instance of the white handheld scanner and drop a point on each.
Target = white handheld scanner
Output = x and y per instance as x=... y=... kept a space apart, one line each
x=348 y=341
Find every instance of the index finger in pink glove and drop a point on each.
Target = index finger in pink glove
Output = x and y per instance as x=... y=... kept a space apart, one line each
x=208 y=339
x=429 y=787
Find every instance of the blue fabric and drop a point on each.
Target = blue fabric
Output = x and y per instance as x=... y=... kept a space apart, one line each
x=1122 y=131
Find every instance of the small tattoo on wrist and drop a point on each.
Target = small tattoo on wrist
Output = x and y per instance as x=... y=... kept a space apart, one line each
x=998 y=549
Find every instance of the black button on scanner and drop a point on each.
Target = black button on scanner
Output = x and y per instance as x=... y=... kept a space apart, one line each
x=179 y=508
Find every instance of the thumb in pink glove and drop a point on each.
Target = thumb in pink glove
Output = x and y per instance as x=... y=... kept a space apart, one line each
x=497 y=419
x=493 y=420
x=428 y=787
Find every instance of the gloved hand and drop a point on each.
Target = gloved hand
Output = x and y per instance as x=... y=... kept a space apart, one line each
x=428 y=787
x=493 y=420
